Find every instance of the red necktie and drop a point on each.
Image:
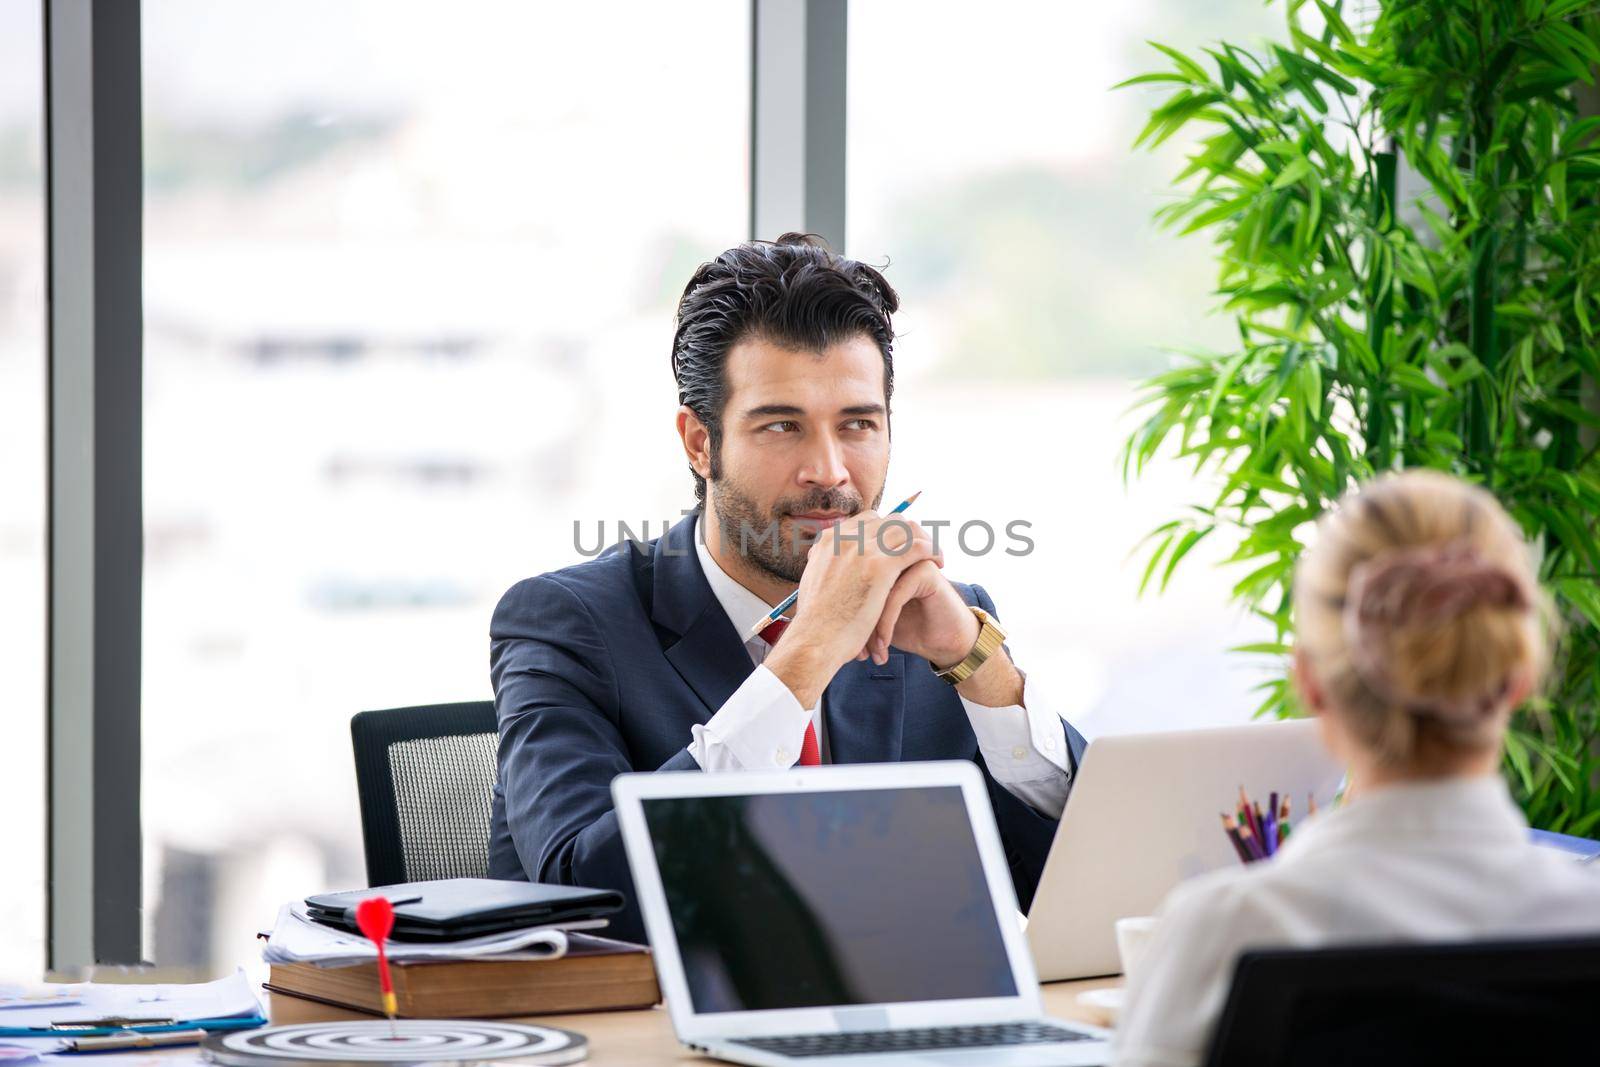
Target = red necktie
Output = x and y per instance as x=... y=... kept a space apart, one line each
x=810 y=752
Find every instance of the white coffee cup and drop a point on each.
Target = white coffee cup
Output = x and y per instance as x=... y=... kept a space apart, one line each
x=1133 y=938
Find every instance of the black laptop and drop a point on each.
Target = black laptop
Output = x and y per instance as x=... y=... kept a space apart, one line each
x=457 y=908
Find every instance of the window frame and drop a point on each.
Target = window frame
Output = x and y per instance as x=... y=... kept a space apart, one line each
x=94 y=261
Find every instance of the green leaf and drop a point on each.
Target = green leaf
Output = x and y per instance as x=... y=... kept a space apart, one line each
x=1216 y=213
x=1254 y=585
x=1584 y=825
x=1220 y=390
x=1445 y=441
x=1292 y=172
x=1155 y=559
x=1335 y=22
x=1552 y=337
x=1580 y=44
x=1156 y=76
x=1581 y=594
x=1264 y=648
x=1414 y=379
x=1557 y=178
x=1188 y=66
x=1188 y=541
x=1516 y=311
x=1517 y=755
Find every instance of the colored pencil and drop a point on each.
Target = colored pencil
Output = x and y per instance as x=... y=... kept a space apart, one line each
x=1264 y=821
x=1252 y=843
x=1246 y=815
x=788 y=602
x=1257 y=833
x=1231 y=826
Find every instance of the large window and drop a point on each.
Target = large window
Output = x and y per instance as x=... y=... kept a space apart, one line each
x=410 y=272
x=991 y=165
x=22 y=491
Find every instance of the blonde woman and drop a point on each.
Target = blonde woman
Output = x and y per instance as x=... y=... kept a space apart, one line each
x=1420 y=626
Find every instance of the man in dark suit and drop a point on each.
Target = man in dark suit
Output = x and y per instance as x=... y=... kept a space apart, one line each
x=647 y=658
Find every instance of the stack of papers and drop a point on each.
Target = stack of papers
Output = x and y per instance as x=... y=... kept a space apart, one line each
x=31 y=1017
x=296 y=938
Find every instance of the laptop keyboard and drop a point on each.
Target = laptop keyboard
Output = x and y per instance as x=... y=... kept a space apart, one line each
x=863 y=1042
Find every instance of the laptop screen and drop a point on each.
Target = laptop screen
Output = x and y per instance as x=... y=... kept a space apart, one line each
x=822 y=899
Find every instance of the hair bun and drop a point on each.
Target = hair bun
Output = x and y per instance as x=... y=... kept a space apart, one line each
x=1425 y=586
x=1430 y=585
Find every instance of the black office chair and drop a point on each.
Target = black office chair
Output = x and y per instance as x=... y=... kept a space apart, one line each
x=425 y=777
x=1419 y=1005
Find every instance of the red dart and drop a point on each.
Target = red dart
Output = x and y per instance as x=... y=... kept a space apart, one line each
x=375 y=919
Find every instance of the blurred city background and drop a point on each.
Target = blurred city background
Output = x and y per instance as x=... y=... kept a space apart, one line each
x=409 y=282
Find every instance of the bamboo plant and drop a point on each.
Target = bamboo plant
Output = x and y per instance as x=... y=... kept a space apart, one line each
x=1406 y=218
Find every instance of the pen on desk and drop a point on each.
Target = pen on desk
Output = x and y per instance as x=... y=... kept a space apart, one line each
x=788 y=602
x=132 y=1039
x=113 y=1026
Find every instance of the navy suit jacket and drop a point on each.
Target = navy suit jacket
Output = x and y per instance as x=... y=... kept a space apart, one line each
x=602 y=668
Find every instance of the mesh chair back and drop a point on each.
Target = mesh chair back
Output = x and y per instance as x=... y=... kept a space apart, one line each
x=425 y=776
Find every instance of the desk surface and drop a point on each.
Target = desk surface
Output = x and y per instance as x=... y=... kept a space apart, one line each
x=638 y=1038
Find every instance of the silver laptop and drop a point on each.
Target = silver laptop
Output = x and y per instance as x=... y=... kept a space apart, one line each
x=1143 y=815
x=838 y=915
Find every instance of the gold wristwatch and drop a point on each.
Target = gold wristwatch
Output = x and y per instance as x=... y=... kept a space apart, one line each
x=990 y=638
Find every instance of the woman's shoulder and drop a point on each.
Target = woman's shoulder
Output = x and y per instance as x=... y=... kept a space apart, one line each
x=1221 y=888
x=1559 y=887
x=1268 y=903
x=1180 y=985
x=1218 y=894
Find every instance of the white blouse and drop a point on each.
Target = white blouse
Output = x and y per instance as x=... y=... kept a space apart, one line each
x=1435 y=861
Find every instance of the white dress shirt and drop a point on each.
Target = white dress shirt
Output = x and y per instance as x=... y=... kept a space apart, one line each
x=1437 y=861
x=761 y=725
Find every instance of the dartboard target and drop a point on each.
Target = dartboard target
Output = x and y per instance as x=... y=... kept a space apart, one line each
x=371 y=1043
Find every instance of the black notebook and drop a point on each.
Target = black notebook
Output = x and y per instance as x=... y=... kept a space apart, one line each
x=457 y=908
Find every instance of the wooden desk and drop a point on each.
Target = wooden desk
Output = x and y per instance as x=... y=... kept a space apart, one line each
x=645 y=1038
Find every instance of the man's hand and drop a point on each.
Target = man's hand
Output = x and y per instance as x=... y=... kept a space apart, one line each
x=924 y=615
x=850 y=571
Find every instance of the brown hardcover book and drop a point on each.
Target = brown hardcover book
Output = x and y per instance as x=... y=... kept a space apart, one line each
x=587 y=979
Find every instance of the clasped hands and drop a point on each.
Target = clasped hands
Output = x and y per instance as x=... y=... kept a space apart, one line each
x=871 y=581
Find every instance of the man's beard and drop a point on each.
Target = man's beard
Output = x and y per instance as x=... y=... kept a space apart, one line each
x=756 y=534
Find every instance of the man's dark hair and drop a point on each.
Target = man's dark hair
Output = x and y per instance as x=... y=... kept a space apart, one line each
x=794 y=292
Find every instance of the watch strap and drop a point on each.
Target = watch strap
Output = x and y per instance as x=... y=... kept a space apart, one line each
x=990 y=638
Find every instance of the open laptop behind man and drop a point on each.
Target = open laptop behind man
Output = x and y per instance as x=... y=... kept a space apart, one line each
x=825 y=916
